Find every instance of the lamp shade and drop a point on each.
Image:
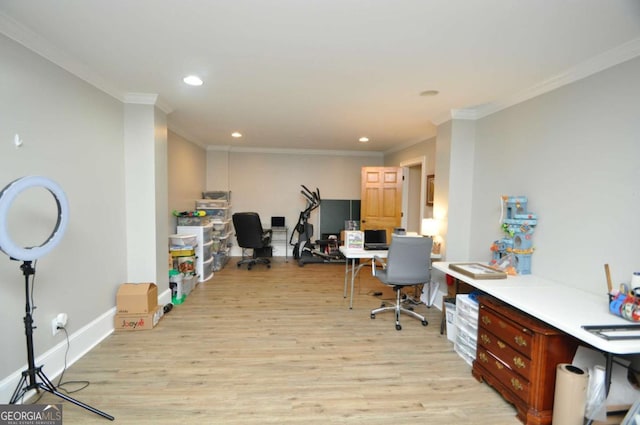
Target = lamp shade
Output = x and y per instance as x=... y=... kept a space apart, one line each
x=429 y=227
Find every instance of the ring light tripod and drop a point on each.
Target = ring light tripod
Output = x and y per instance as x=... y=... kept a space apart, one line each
x=33 y=378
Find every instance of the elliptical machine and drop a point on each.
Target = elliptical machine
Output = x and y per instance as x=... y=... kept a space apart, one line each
x=304 y=251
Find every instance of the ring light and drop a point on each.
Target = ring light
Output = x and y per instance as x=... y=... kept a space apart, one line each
x=7 y=197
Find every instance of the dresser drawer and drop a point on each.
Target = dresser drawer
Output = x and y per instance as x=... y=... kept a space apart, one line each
x=518 y=385
x=509 y=332
x=502 y=351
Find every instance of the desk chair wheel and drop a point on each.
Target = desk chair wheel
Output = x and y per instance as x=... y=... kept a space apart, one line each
x=425 y=323
x=373 y=316
x=238 y=265
x=398 y=327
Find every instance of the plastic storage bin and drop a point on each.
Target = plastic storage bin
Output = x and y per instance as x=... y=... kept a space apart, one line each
x=203 y=204
x=188 y=284
x=217 y=214
x=207 y=269
x=450 y=316
x=219 y=261
x=194 y=220
x=183 y=240
x=466 y=323
x=221 y=227
x=217 y=194
x=221 y=243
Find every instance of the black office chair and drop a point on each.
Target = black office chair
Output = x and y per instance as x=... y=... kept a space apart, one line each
x=408 y=264
x=251 y=236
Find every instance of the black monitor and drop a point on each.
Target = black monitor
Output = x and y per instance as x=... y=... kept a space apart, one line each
x=375 y=236
x=277 y=221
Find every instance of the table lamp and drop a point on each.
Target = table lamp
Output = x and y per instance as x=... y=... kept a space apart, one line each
x=430 y=228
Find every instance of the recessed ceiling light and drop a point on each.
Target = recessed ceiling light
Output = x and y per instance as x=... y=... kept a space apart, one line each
x=428 y=93
x=236 y=135
x=363 y=139
x=192 y=80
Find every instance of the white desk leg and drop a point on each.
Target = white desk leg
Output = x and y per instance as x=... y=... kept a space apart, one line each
x=346 y=276
x=353 y=278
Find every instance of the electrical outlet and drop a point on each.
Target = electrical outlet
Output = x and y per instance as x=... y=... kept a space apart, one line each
x=58 y=322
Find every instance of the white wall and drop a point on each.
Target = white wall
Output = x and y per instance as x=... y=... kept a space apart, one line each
x=73 y=134
x=575 y=154
x=268 y=182
x=187 y=170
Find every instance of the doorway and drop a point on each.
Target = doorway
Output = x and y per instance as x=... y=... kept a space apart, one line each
x=414 y=193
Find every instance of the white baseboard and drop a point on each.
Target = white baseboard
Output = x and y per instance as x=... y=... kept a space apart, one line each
x=80 y=343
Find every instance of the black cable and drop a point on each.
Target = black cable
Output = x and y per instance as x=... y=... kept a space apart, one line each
x=33 y=284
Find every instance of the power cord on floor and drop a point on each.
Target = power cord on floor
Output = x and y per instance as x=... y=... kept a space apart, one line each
x=61 y=384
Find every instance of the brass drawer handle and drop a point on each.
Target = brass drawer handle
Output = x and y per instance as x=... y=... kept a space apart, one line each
x=501 y=344
x=520 y=341
x=519 y=362
x=499 y=365
x=485 y=339
x=486 y=320
x=515 y=383
x=483 y=357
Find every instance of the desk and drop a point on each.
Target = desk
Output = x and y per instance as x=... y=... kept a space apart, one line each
x=561 y=306
x=285 y=230
x=353 y=254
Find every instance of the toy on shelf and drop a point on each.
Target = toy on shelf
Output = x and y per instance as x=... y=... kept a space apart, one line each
x=196 y=213
x=512 y=253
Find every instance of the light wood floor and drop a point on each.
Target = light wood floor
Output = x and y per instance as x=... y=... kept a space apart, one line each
x=280 y=346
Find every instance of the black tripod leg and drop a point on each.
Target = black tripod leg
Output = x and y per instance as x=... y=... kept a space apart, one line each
x=20 y=390
x=48 y=386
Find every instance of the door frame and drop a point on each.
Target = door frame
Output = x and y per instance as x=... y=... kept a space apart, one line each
x=422 y=162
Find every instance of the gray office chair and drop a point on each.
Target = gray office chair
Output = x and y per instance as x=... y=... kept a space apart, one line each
x=408 y=264
x=251 y=236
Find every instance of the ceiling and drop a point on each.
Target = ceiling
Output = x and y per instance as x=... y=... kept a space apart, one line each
x=320 y=74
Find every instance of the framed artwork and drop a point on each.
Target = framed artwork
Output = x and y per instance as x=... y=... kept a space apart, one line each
x=478 y=271
x=430 y=182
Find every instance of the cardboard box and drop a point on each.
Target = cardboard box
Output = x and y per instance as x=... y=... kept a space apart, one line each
x=135 y=298
x=138 y=322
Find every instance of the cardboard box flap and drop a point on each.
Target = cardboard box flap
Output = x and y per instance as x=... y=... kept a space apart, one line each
x=137 y=298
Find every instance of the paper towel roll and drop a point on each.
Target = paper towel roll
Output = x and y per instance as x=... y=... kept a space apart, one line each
x=570 y=396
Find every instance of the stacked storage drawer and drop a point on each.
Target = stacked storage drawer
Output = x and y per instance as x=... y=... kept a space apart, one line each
x=215 y=209
x=204 y=257
x=217 y=206
x=466 y=322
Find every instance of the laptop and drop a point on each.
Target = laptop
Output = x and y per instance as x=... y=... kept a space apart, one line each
x=277 y=222
x=375 y=240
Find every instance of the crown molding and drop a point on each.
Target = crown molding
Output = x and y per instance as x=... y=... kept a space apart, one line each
x=608 y=59
x=408 y=144
x=147 y=99
x=34 y=42
x=281 y=151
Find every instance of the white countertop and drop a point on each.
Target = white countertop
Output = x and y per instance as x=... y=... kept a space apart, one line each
x=561 y=306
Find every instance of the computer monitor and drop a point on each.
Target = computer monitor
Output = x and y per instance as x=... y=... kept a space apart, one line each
x=375 y=236
x=277 y=221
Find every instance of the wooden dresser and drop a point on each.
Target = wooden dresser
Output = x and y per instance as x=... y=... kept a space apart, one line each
x=517 y=355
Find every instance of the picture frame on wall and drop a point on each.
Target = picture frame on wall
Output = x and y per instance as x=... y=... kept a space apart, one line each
x=430 y=188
